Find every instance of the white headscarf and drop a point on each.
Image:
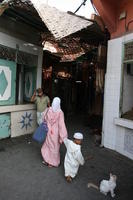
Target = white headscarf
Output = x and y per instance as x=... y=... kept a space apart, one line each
x=56 y=104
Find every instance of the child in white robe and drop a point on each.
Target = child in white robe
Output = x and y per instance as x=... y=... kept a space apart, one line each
x=73 y=157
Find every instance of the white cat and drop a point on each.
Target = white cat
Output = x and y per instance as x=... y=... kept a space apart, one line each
x=106 y=185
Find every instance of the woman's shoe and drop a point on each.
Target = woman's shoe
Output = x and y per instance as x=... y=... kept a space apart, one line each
x=44 y=163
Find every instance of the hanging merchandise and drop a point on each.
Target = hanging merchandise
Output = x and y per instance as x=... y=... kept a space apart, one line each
x=99 y=80
x=63 y=75
x=102 y=53
x=47 y=73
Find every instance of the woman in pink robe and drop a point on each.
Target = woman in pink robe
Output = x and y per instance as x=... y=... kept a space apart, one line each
x=56 y=134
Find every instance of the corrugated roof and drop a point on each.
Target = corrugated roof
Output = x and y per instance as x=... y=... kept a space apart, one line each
x=60 y=24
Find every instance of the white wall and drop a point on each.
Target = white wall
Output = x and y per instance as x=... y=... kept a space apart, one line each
x=124 y=141
x=112 y=134
x=112 y=91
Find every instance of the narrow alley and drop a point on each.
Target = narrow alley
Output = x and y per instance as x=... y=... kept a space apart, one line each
x=24 y=177
x=81 y=52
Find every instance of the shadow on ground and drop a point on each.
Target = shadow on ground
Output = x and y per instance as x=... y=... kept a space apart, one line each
x=24 y=177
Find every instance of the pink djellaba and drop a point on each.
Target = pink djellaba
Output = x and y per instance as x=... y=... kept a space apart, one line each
x=56 y=134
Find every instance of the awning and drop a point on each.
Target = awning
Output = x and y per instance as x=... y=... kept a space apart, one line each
x=68 y=49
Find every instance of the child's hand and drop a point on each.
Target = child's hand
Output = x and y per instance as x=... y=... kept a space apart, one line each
x=60 y=141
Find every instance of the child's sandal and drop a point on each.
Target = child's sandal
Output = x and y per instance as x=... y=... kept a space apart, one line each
x=69 y=179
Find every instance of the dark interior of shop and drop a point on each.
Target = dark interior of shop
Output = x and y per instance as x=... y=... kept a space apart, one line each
x=79 y=84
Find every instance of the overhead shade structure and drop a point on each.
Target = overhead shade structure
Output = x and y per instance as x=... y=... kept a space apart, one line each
x=60 y=24
x=3 y=6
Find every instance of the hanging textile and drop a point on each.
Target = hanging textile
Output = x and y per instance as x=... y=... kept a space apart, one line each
x=99 y=80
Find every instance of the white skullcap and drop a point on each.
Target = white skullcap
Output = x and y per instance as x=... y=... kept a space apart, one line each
x=78 y=136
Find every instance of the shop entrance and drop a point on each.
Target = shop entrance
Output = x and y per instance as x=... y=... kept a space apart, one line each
x=79 y=84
